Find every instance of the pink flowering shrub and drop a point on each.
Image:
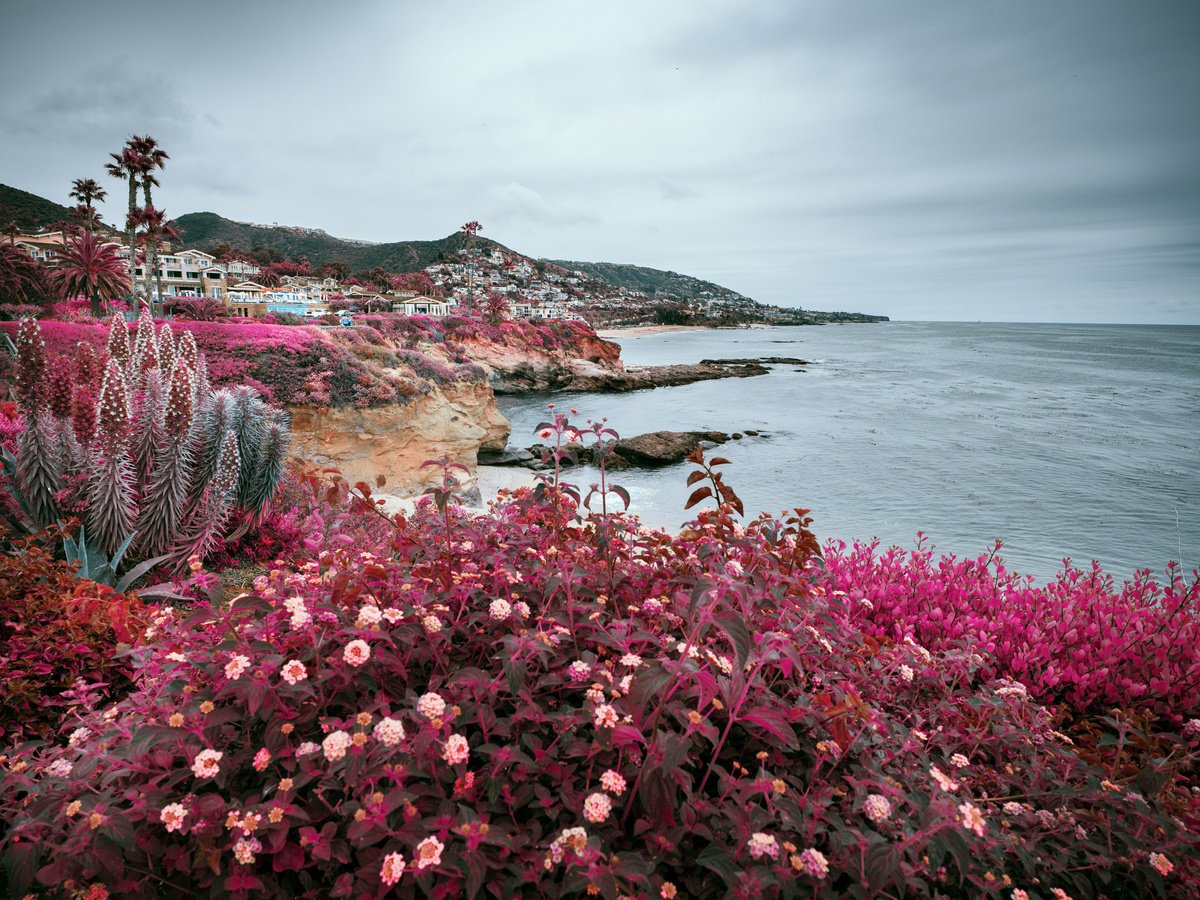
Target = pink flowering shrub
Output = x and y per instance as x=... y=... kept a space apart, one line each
x=528 y=704
x=1079 y=639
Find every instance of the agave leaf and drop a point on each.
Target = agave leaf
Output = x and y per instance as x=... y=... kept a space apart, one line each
x=115 y=562
x=138 y=571
x=164 y=590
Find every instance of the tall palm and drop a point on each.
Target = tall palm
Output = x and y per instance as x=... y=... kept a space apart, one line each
x=90 y=267
x=125 y=166
x=11 y=231
x=152 y=157
x=87 y=191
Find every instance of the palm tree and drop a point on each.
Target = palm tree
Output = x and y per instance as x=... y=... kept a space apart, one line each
x=12 y=231
x=126 y=165
x=85 y=217
x=87 y=191
x=152 y=157
x=90 y=267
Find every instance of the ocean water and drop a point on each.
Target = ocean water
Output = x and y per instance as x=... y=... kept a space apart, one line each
x=1078 y=441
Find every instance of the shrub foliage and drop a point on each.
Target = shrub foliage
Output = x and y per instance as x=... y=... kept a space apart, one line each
x=530 y=704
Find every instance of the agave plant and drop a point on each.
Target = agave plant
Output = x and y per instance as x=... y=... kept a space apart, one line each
x=155 y=461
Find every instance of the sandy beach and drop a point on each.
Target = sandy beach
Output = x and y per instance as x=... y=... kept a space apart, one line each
x=613 y=334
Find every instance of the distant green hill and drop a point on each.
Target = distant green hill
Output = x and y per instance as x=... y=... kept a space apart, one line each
x=206 y=230
x=650 y=281
x=28 y=210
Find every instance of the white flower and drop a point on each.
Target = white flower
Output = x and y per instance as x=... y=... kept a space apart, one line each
x=335 y=745
x=357 y=653
x=369 y=615
x=877 y=808
x=389 y=732
x=500 y=609
x=293 y=671
x=207 y=763
x=431 y=705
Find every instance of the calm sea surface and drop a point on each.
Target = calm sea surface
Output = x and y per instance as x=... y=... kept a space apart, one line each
x=1078 y=441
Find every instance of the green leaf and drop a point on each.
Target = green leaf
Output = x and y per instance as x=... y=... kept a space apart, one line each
x=715 y=859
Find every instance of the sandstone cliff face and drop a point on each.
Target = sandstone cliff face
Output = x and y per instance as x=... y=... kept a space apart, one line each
x=456 y=420
x=517 y=370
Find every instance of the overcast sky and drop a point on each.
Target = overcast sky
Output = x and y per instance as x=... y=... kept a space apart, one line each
x=1018 y=161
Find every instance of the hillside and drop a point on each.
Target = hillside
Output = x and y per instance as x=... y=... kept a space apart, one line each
x=28 y=210
x=651 y=281
x=206 y=230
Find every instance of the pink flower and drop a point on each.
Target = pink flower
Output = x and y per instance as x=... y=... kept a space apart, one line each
x=612 y=782
x=236 y=667
x=389 y=732
x=579 y=671
x=597 y=807
x=572 y=839
x=293 y=671
x=456 y=750
x=172 y=816
x=522 y=609
x=1160 y=862
x=1020 y=894
x=431 y=705
x=972 y=819
x=335 y=745
x=367 y=616
x=357 y=652
x=761 y=845
x=546 y=433
x=944 y=781
x=432 y=624
x=959 y=761
x=877 y=808
x=429 y=853
x=632 y=660
x=814 y=863
x=500 y=609
x=393 y=868
x=207 y=763
x=262 y=759
x=244 y=850
x=606 y=716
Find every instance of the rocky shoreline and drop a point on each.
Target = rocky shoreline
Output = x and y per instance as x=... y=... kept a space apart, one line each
x=640 y=378
x=650 y=450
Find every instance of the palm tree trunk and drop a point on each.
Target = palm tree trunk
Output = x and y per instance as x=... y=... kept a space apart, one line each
x=152 y=251
x=131 y=234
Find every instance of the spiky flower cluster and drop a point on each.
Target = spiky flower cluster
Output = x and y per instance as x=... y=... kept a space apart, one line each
x=143 y=444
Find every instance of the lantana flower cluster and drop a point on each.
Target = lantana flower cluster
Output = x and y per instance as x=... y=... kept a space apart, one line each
x=573 y=747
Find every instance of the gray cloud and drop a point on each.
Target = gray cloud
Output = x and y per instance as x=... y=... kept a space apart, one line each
x=932 y=159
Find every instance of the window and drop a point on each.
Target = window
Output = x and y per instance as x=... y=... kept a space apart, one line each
x=174 y=273
x=193 y=275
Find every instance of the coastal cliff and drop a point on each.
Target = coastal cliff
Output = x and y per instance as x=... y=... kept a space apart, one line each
x=455 y=421
x=515 y=369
